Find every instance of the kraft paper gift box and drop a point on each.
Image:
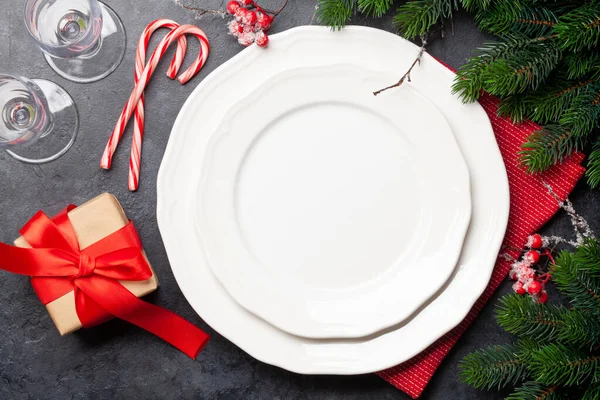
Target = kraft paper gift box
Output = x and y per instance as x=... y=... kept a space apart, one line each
x=92 y=221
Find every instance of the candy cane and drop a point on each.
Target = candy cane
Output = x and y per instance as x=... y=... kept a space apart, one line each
x=140 y=63
x=127 y=112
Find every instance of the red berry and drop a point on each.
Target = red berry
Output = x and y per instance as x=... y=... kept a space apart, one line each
x=247 y=2
x=543 y=297
x=262 y=39
x=535 y=241
x=263 y=21
x=518 y=288
x=534 y=287
x=513 y=275
x=532 y=256
x=250 y=18
x=233 y=6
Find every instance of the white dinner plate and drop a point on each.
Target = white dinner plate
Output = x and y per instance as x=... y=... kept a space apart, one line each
x=319 y=211
x=204 y=112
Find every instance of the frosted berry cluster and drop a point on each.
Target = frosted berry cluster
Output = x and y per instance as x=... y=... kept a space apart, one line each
x=250 y=24
x=525 y=276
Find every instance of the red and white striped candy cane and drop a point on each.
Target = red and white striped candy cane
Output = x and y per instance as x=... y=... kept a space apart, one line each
x=140 y=63
x=127 y=112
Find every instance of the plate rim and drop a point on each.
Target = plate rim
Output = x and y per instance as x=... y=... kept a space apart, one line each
x=502 y=217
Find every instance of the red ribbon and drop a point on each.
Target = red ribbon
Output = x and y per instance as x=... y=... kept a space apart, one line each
x=57 y=266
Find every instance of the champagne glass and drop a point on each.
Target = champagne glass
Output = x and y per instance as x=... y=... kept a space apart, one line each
x=82 y=40
x=39 y=121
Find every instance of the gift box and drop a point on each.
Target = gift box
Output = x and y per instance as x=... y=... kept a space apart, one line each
x=87 y=265
x=92 y=221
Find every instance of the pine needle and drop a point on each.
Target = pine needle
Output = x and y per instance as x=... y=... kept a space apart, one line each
x=374 y=8
x=335 y=13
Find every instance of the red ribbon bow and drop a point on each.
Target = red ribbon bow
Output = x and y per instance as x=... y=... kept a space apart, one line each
x=57 y=266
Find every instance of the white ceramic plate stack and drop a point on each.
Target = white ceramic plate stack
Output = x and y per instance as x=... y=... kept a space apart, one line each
x=323 y=229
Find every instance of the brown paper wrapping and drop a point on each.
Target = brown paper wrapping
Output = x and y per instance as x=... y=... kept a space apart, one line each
x=92 y=221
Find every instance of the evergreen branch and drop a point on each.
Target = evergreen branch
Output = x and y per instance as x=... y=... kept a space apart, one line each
x=516 y=107
x=417 y=17
x=536 y=391
x=592 y=392
x=579 y=329
x=374 y=8
x=580 y=65
x=587 y=258
x=522 y=317
x=593 y=166
x=471 y=77
x=583 y=115
x=580 y=28
x=475 y=5
x=516 y=16
x=522 y=70
x=557 y=364
x=576 y=281
x=335 y=13
x=496 y=366
x=549 y=146
x=550 y=102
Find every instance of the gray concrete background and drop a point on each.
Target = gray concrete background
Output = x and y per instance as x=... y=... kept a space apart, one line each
x=119 y=361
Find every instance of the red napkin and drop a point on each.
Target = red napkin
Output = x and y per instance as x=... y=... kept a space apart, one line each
x=531 y=206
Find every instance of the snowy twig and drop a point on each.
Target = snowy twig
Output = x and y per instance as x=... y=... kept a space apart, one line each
x=202 y=11
x=580 y=225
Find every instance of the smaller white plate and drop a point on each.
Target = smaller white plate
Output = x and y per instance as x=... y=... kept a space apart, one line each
x=324 y=209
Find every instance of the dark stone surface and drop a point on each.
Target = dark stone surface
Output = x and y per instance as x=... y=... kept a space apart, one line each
x=116 y=360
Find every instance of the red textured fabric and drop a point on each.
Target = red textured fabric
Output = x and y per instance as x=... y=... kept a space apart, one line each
x=531 y=206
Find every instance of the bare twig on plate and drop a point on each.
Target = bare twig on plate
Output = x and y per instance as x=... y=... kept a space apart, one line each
x=406 y=76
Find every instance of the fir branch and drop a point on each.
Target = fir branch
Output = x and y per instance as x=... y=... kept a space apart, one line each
x=592 y=392
x=583 y=115
x=475 y=5
x=527 y=319
x=496 y=366
x=374 y=8
x=516 y=107
x=536 y=391
x=580 y=65
x=417 y=17
x=524 y=318
x=593 y=166
x=576 y=281
x=580 y=28
x=471 y=78
x=579 y=329
x=522 y=70
x=549 y=146
x=335 y=13
x=516 y=16
x=550 y=103
x=587 y=258
x=557 y=364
